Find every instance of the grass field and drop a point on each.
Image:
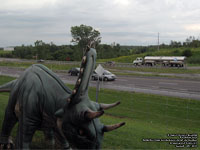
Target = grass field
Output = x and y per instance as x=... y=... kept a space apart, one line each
x=161 y=52
x=5 y=52
x=27 y=64
x=146 y=116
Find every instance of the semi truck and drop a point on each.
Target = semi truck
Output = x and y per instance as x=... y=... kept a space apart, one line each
x=165 y=61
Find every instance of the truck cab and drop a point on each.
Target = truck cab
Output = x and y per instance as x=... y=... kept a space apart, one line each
x=138 y=61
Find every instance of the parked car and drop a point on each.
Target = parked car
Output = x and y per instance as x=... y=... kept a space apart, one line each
x=74 y=71
x=40 y=60
x=110 y=63
x=107 y=76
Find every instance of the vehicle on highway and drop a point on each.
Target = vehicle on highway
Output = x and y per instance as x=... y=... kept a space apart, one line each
x=107 y=76
x=74 y=71
x=165 y=61
x=110 y=63
x=40 y=60
x=138 y=61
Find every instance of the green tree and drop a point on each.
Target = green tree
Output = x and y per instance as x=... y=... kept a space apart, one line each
x=42 y=50
x=175 y=44
x=84 y=35
x=187 y=53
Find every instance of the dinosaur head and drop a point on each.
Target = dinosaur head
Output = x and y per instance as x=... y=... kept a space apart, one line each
x=80 y=122
x=83 y=128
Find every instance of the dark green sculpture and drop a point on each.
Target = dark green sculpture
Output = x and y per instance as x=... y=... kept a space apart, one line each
x=39 y=100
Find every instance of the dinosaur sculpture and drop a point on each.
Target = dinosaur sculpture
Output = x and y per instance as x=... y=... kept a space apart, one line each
x=39 y=100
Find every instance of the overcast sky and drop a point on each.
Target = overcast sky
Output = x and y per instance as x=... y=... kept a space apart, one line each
x=127 y=22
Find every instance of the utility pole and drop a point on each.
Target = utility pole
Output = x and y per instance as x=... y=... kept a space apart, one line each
x=158 y=41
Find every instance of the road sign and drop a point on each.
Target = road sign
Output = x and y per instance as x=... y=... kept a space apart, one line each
x=99 y=70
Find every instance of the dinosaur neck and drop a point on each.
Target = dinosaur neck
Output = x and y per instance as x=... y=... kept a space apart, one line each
x=62 y=101
x=87 y=67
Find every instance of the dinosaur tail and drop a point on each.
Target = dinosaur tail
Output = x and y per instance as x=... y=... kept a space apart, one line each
x=7 y=87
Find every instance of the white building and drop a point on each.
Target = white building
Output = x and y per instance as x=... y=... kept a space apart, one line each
x=10 y=48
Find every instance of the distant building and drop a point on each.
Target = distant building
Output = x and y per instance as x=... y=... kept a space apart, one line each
x=10 y=48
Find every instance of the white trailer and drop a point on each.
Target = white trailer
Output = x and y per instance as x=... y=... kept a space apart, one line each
x=171 y=61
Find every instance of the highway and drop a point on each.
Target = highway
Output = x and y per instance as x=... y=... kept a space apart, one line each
x=152 y=85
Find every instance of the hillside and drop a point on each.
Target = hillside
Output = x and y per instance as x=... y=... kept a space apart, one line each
x=193 y=59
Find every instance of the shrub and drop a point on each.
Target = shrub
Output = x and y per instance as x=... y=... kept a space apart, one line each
x=176 y=52
x=194 y=59
x=187 y=53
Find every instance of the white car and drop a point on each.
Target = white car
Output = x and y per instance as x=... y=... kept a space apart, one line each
x=107 y=76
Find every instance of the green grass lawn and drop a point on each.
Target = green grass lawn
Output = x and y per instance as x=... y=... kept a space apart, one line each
x=50 y=66
x=161 y=52
x=5 y=52
x=146 y=116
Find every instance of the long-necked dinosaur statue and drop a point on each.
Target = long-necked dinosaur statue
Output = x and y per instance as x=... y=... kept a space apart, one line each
x=39 y=100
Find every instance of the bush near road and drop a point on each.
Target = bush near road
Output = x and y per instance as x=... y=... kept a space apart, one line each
x=146 y=116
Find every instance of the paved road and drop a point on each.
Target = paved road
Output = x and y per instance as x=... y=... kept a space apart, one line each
x=153 y=85
x=177 y=75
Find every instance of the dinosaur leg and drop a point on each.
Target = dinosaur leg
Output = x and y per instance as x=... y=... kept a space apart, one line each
x=49 y=137
x=17 y=142
x=26 y=135
x=25 y=132
x=10 y=120
x=61 y=139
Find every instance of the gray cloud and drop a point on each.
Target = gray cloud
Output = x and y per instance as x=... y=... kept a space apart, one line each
x=132 y=22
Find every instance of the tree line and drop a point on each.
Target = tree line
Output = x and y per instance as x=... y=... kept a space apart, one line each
x=84 y=35
x=190 y=42
x=50 y=51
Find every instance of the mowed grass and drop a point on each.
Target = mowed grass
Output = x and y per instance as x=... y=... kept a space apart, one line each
x=52 y=66
x=146 y=116
x=161 y=52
